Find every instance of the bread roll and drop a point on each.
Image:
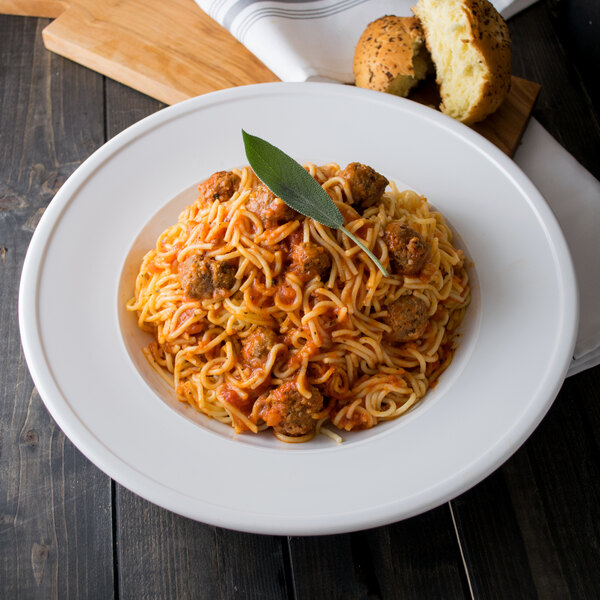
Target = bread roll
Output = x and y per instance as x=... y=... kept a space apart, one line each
x=469 y=43
x=391 y=55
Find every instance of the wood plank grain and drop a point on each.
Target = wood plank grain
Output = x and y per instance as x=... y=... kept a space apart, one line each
x=563 y=454
x=417 y=558
x=33 y=8
x=493 y=546
x=563 y=106
x=162 y=555
x=577 y=23
x=326 y=567
x=55 y=512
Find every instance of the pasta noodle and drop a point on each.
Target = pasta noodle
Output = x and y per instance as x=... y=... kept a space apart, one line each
x=263 y=318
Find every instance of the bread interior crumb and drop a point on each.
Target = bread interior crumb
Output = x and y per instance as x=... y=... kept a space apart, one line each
x=460 y=69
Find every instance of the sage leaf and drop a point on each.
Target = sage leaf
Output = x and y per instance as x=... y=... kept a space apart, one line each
x=291 y=182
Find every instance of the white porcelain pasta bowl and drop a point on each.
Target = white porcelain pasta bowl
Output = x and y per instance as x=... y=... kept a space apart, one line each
x=84 y=349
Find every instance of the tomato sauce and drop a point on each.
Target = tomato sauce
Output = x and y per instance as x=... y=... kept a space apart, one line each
x=230 y=396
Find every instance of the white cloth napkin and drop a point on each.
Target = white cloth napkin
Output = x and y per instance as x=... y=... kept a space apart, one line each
x=302 y=40
x=574 y=196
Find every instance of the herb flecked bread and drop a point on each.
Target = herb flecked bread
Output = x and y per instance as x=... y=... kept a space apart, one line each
x=391 y=56
x=467 y=41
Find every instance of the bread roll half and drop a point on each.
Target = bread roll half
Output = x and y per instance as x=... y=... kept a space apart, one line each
x=470 y=46
x=391 y=56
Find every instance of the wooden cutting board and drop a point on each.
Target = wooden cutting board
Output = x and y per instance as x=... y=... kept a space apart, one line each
x=171 y=50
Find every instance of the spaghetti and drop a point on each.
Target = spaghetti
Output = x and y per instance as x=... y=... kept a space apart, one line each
x=263 y=318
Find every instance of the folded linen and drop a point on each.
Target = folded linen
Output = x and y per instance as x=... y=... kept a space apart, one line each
x=301 y=40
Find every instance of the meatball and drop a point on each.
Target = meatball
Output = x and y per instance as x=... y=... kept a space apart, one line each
x=270 y=209
x=366 y=184
x=288 y=411
x=203 y=277
x=256 y=347
x=408 y=251
x=219 y=186
x=309 y=260
x=407 y=316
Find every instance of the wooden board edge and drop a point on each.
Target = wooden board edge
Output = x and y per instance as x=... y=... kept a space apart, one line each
x=114 y=70
x=47 y=9
x=80 y=33
x=514 y=113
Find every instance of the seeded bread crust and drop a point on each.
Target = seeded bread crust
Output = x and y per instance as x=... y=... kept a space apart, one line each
x=487 y=33
x=384 y=58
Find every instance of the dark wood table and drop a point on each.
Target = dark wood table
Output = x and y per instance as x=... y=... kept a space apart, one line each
x=531 y=529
